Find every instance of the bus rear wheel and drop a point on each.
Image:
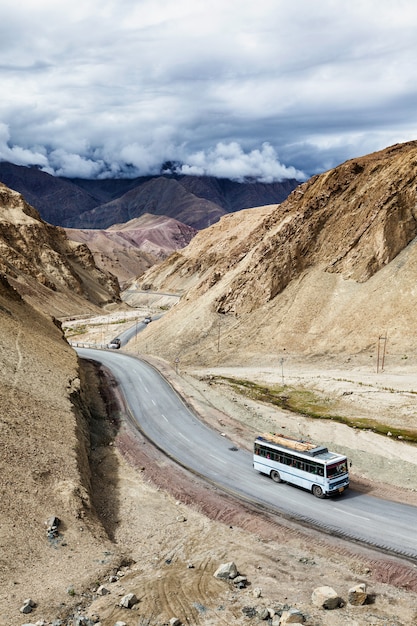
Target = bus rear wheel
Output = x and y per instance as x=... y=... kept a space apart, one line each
x=275 y=476
x=318 y=491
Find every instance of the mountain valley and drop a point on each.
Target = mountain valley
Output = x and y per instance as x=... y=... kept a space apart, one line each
x=313 y=292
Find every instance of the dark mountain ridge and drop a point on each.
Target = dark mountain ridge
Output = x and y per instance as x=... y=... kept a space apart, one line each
x=197 y=201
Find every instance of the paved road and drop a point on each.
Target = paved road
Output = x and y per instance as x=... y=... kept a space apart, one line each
x=131 y=332
x=164 y=418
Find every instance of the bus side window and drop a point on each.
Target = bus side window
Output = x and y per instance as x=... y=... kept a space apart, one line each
x=320 y=471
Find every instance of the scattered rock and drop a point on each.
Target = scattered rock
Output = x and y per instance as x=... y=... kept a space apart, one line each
x=52 y=524
x=226 y=571
x=82 y=620
x=120 y=624
x=174 y=621
x=326 y=598
x=257 y=592
x=357 y=595
x=102 y=591
x=249 y=611
x=293 y=616
x=28 y=606
x=128 y=601
x=240 y=582
x=263 y=614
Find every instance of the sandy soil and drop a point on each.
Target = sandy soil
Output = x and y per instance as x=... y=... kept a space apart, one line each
x=172 y=531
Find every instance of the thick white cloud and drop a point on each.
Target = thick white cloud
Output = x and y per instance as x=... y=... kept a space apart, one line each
x=264 y=89
x=229 y=161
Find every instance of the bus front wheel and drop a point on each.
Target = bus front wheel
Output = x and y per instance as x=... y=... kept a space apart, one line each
x=276 y=477
x=318 y=491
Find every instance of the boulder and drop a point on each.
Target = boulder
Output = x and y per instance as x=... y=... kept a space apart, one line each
x=292 y=616
x=326 y=598
x=128 y=601
x=26 y=608
x=357 y=595
x=52 y=524
x=263 y=614
x=226 y=571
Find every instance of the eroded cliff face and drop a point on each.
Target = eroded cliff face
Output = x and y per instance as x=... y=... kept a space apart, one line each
x=342 y=228
x=44 y=265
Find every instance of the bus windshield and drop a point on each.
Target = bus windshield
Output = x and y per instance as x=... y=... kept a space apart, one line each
x=337 y=469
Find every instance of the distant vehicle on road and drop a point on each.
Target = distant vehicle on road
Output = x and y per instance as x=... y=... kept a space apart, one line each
x=147 y=319
x=301 y=463
x=115 y=344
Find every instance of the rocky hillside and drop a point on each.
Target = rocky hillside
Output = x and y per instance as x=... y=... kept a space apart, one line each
x=128 y=250
x=98 y=204
x=327 y=271
x=43 y=463
x=51 y=272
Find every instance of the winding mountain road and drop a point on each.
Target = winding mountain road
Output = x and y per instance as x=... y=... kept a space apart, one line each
x=164 y=419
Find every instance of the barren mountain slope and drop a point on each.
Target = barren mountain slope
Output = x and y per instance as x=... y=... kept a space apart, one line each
x=128 y=250
x=52 y=273
x=54 y=198
x=43 y=464
x=327 y=271
x=159 y=196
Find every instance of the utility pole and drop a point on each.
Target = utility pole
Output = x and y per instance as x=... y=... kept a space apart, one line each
x=382 y=347
x=282 y=371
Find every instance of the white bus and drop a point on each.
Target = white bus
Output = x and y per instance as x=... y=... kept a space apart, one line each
x=301 y=463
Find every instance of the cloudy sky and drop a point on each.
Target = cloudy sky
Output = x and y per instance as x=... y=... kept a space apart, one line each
x=269 y=89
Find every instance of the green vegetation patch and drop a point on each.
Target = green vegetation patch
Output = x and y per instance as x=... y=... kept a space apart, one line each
x=310 y=404
x=71 y=331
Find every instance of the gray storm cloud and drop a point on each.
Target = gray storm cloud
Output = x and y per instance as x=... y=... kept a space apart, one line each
x=266 y=90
